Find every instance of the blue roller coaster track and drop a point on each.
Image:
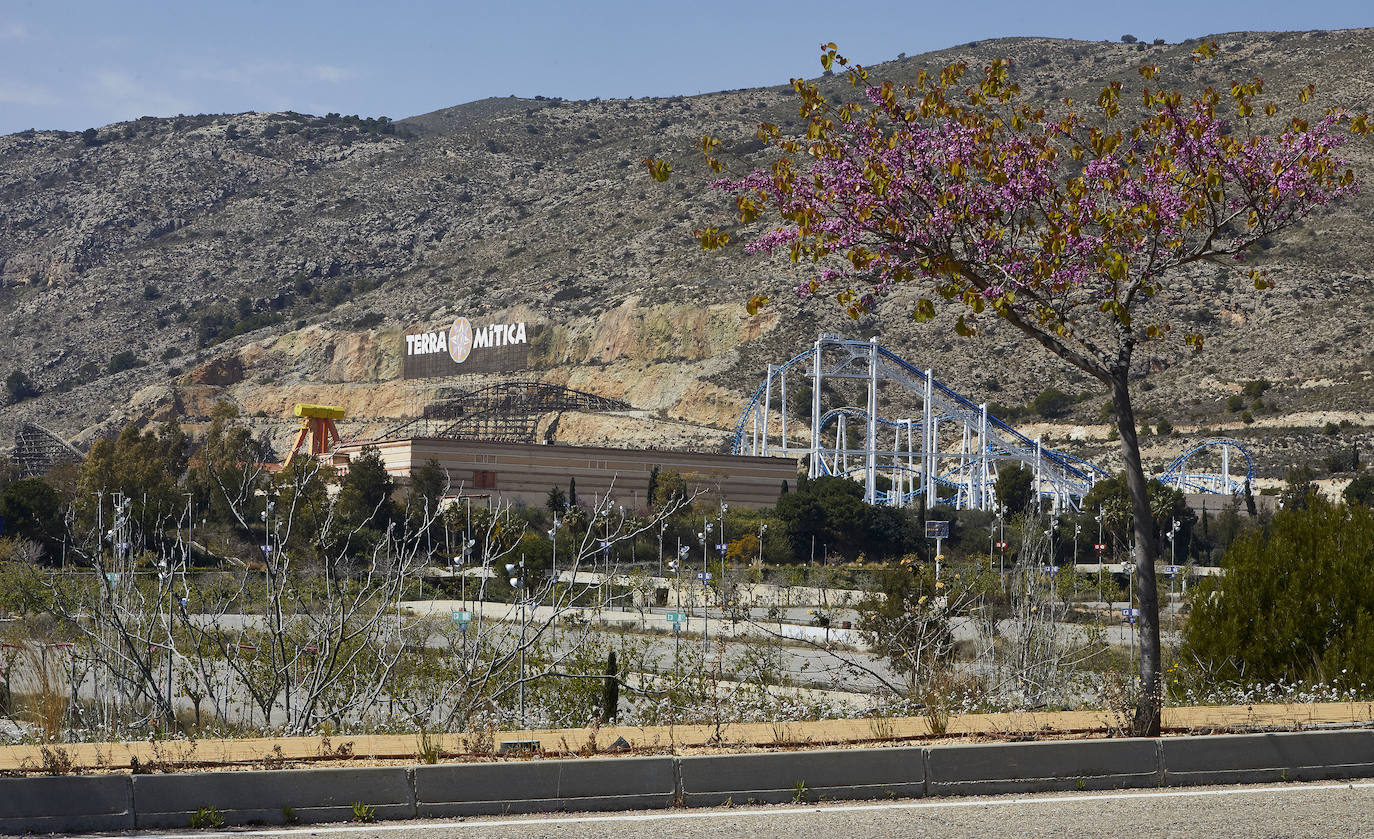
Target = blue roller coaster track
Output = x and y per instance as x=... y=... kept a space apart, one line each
x=1179 y=476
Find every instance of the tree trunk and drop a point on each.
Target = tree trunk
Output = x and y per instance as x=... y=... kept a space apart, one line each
x=1149 y=699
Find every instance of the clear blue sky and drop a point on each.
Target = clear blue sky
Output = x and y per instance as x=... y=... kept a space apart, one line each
x=70 y=65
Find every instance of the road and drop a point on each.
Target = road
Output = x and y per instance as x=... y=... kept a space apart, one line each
x=1288 y=811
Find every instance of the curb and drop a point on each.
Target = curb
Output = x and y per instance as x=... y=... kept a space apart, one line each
x=128 y=802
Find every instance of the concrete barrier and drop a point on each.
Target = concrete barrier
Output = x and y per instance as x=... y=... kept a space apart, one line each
x=1263 y=758
x=993 y=768
x=315 y=795
x=775 y=777
x=543 y=785
x=71 y=803
x=122 y=802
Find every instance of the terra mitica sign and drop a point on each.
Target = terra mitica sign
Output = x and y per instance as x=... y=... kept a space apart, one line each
x=466 y=346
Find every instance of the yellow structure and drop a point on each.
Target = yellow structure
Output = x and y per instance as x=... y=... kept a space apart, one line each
x=330 y=412
x=317 y=423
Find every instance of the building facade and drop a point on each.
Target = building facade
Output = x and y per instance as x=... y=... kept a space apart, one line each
x=524 y=472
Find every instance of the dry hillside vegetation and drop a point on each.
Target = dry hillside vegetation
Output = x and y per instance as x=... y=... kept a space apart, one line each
x=149 y=268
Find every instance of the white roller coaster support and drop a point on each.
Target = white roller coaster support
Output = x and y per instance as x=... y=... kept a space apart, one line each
x=767 y=407
x=939 y=467
x=929 y=432
x=871 y=455
x=983 y=458
x=966 y=468
x=894 y=495
x=1039 y=488
x=782 y=407
x=841 y=446
x=816 y=412
x=910 y=462
x=1225 y=469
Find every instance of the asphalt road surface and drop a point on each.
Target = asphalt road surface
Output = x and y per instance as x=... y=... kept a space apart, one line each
x=1316 y=810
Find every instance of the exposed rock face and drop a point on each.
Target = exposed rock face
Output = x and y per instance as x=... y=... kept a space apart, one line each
x=633 y=353
x=280 y=258
x=221 y=371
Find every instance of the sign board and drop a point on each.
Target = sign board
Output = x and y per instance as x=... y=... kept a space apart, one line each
x=673 y=617
x=468 y=346
x=703 y=575
x=461 y=616
x=1050 y=569
x=1130 y=613
x=937 y=530
x=1172 y=569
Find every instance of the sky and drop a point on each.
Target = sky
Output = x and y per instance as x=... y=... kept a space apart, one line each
x=74 y=64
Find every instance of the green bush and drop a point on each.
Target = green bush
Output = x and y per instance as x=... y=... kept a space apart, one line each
x=1296 y=602
x=364 y=812
x=1342 y=460
x=121 y=361
x=19 y=386
x=1360 y=491
x=1051 y=402
x=205 y=818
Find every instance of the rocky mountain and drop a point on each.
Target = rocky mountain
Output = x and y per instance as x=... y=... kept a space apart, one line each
x=150 y=268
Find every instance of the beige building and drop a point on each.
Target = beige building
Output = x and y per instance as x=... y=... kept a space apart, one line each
x=524 y=472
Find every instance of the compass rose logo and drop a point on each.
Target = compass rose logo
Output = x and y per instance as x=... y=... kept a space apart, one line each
x=460 y=340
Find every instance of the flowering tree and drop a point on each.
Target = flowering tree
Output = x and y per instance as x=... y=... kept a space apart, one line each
x=1064 y=224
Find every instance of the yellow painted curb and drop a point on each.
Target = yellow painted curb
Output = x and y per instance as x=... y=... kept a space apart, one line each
x=269 y=751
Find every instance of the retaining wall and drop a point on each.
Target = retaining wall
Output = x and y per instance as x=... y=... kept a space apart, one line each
x=125 y=802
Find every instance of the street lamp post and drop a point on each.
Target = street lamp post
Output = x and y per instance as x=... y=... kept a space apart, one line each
x=704 y=535
x=267 y=547
x=164 y=575
x=992 y=528
x=607 y=590
x=1051 y=570
x=1129 y=567
x=519 y=584
x=1173 y=556
x=186 y=558
x=1077 y=529
x=662 y=528
x=553 y=559
x=763 y=528
x=724 y=508
x=676 y=567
